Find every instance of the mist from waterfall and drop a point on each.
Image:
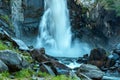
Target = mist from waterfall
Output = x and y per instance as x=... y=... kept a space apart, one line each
x=55 y=31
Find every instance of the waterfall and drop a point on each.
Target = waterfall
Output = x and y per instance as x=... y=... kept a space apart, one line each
x=17 y=15
x=55 y=30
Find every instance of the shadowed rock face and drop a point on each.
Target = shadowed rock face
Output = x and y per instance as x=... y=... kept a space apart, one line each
x=98 y=57
x=39 y=55
x=3 y=66
x=32 y=11
x=47 y=63
x=100 y=29
x=4 y=7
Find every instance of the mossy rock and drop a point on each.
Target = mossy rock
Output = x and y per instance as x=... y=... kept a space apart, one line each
x=6 y=19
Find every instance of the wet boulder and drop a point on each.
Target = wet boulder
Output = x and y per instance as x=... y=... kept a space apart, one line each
x=48 y=67
x=98 y=57
x=22 y=46
x=13 y=60
x=90 y=71
x=54 y=68
x=39 y=55
x=112 y=59
x=118 y=68
x=3 y=66
x=83 y=59
x=61 y=68
x=117 y=49
x=48 y=63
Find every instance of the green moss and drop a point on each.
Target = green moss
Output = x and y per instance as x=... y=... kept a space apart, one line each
x=42 y=74
x=4 y=75
x=60 y=77
x=25 y=73
x=7 y=20
x=3 y=46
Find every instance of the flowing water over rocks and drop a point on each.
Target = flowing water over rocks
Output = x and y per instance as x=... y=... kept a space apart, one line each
x=55 y=31
x=57 y=36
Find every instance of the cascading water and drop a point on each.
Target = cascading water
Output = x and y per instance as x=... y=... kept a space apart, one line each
x=17 y=15
x=55 y=31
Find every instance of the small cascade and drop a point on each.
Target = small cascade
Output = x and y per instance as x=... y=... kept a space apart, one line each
x=55 y=31
x=17 y=15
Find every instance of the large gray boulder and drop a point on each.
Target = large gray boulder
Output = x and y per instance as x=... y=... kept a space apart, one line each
x=91 y=71
x=3 y=66
x=13 y=60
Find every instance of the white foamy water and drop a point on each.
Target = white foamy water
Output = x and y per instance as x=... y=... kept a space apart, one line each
x=73 y=65
x=55 y=32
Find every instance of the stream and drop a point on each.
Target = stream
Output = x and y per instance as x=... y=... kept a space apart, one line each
x=71 y=63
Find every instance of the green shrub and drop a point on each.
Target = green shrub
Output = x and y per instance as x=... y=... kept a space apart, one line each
x=3 y=46
x=4 y=76
x=25 y=73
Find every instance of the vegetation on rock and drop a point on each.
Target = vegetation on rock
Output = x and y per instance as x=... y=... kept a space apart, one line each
x=28 y=74
x=110 y=5
x=6 y=19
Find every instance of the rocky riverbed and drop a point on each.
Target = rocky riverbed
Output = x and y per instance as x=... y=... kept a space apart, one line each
x=95 y=25
x=97 y=65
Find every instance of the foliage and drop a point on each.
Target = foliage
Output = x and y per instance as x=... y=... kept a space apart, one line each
x=3 y=46
x=4 y=75
x=107 y=4
x=110 y=5
x=42 y=74
x=117 y=6
x=25 y=73
x=24 y=54
x=7 y=20
x=63 y=77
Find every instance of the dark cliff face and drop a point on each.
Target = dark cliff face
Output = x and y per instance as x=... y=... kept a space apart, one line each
x=100 y=28
x=105 y=25
x=75 y=12
x=4 y=7
x=33 y=11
